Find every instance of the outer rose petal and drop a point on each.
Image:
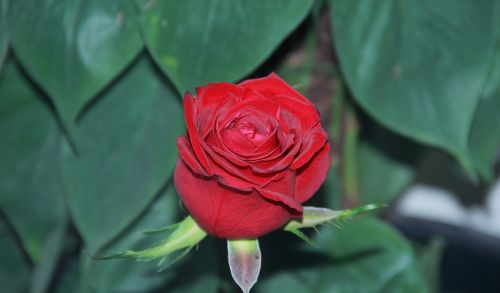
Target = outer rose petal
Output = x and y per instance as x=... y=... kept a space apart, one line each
x=188 y=156
x=313 y=141
x=312 y=175
x=211 y=96
x=190 y=113
x=226 y=213
x=273 y=85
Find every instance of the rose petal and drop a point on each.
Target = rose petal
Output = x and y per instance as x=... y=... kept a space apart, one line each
x=190 y=112
x=213 y=94
x=286 y=96
x=310 y=177
x=314 y=140
x=187 y=155
x=225 y=213
x=282 y=191
x=273 y=85
x=236 y=176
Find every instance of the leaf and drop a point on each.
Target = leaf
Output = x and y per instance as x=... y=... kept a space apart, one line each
x=365 y=256
x=127 y=275
x=31 y=194
x=126 y=153
x=52 y=250
x=417 y=67
x=381 y=177
x=244 y=260
x=197 y=42
x=484 y=139
x=73 y=48
x=386 y=163
x=14 y=271
x=430 y=257
x=4 y=39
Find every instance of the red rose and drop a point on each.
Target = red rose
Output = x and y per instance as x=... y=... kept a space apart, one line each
x=252 y=154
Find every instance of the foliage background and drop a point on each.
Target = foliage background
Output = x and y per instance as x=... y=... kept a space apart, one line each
x=90 y=104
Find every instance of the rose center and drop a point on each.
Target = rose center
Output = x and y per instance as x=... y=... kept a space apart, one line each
x=250 y=131
x=247 y=132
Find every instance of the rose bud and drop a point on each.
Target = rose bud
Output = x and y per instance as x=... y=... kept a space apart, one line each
x=253 y=153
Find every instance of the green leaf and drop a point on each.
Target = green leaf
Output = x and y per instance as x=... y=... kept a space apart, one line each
x=70 y=279
x=31 y=194
x=381 y=178
x=418 y=67
x=197 y=42
x=484 y=139
x=386 y=164
x=14 y=271
x=365 y=256
x=429 y=259
x=52 y=249
x=4 y=39
x=73 y=48
x=126 y=152
x=127 y=275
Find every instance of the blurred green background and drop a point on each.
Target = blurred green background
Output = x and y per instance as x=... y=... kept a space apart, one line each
x=90 y=106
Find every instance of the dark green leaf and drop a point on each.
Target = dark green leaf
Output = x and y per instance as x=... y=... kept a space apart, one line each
x=429 y=259
x=73 y=48
x=125 y=152
x=381 y=177
x=485 y=138
x=127 y=275
x=364 y=256
x=196 y=42
x=386 y=163
x=14 y=271
x=52 y=249
x=199 y=273
x=3 y=32
x=70 y=280
x=31 y=194
x=329 y=195
x=418 y=67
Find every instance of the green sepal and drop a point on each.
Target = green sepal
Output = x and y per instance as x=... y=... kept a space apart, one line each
x=183 y=237
x=313 y=216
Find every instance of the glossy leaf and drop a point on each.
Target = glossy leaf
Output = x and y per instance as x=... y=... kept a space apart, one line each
x=196 y=42
x=417 y=67
x=31 y=194
x=73 y=48
x=365 y=256
x=125 y=153
x=14 y=271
